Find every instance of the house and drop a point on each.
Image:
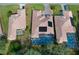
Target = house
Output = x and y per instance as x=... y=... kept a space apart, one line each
x=42 y=28
x=65 y=31
x=17 y=24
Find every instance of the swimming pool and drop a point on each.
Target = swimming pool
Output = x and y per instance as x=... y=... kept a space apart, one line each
x=71 y=40
x=43 y=40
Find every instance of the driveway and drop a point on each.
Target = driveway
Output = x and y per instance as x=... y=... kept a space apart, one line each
x=47 y=9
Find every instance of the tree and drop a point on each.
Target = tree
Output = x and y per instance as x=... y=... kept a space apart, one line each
x=32 y=52
x=9 y=13
x=15 y=46
x=52 y=7
x=18 y=47
x=60 y=49
x=43 y=50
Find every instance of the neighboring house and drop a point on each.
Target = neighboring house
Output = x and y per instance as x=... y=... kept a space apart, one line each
x=42 y=28
x=17 y=24
x=1 y=33
x=65 y=31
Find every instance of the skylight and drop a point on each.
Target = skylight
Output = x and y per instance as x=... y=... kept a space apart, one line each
x=49 y=23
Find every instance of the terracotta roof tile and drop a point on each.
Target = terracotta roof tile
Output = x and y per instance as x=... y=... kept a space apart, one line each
x=16 y=21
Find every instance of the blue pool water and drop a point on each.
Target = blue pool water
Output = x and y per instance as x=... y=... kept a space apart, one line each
x=43 y=40
x=71 y=40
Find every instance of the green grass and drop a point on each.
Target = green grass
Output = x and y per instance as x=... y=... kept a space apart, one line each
x=4 y=15
x=74 y=9
x=2 y=47
x=56 y=9
x=3 y=42
x=7 y=47
x=37 y=6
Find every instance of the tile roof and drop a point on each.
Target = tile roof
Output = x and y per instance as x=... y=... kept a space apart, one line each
x=38 y=20
x=16 y=21
x=63 y=26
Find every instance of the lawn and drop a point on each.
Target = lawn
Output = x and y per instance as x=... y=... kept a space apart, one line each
x=3 y=42
x=56 y=8
x=4 y=9
x=37 y=6
x=2 y=46
x=74 y=9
